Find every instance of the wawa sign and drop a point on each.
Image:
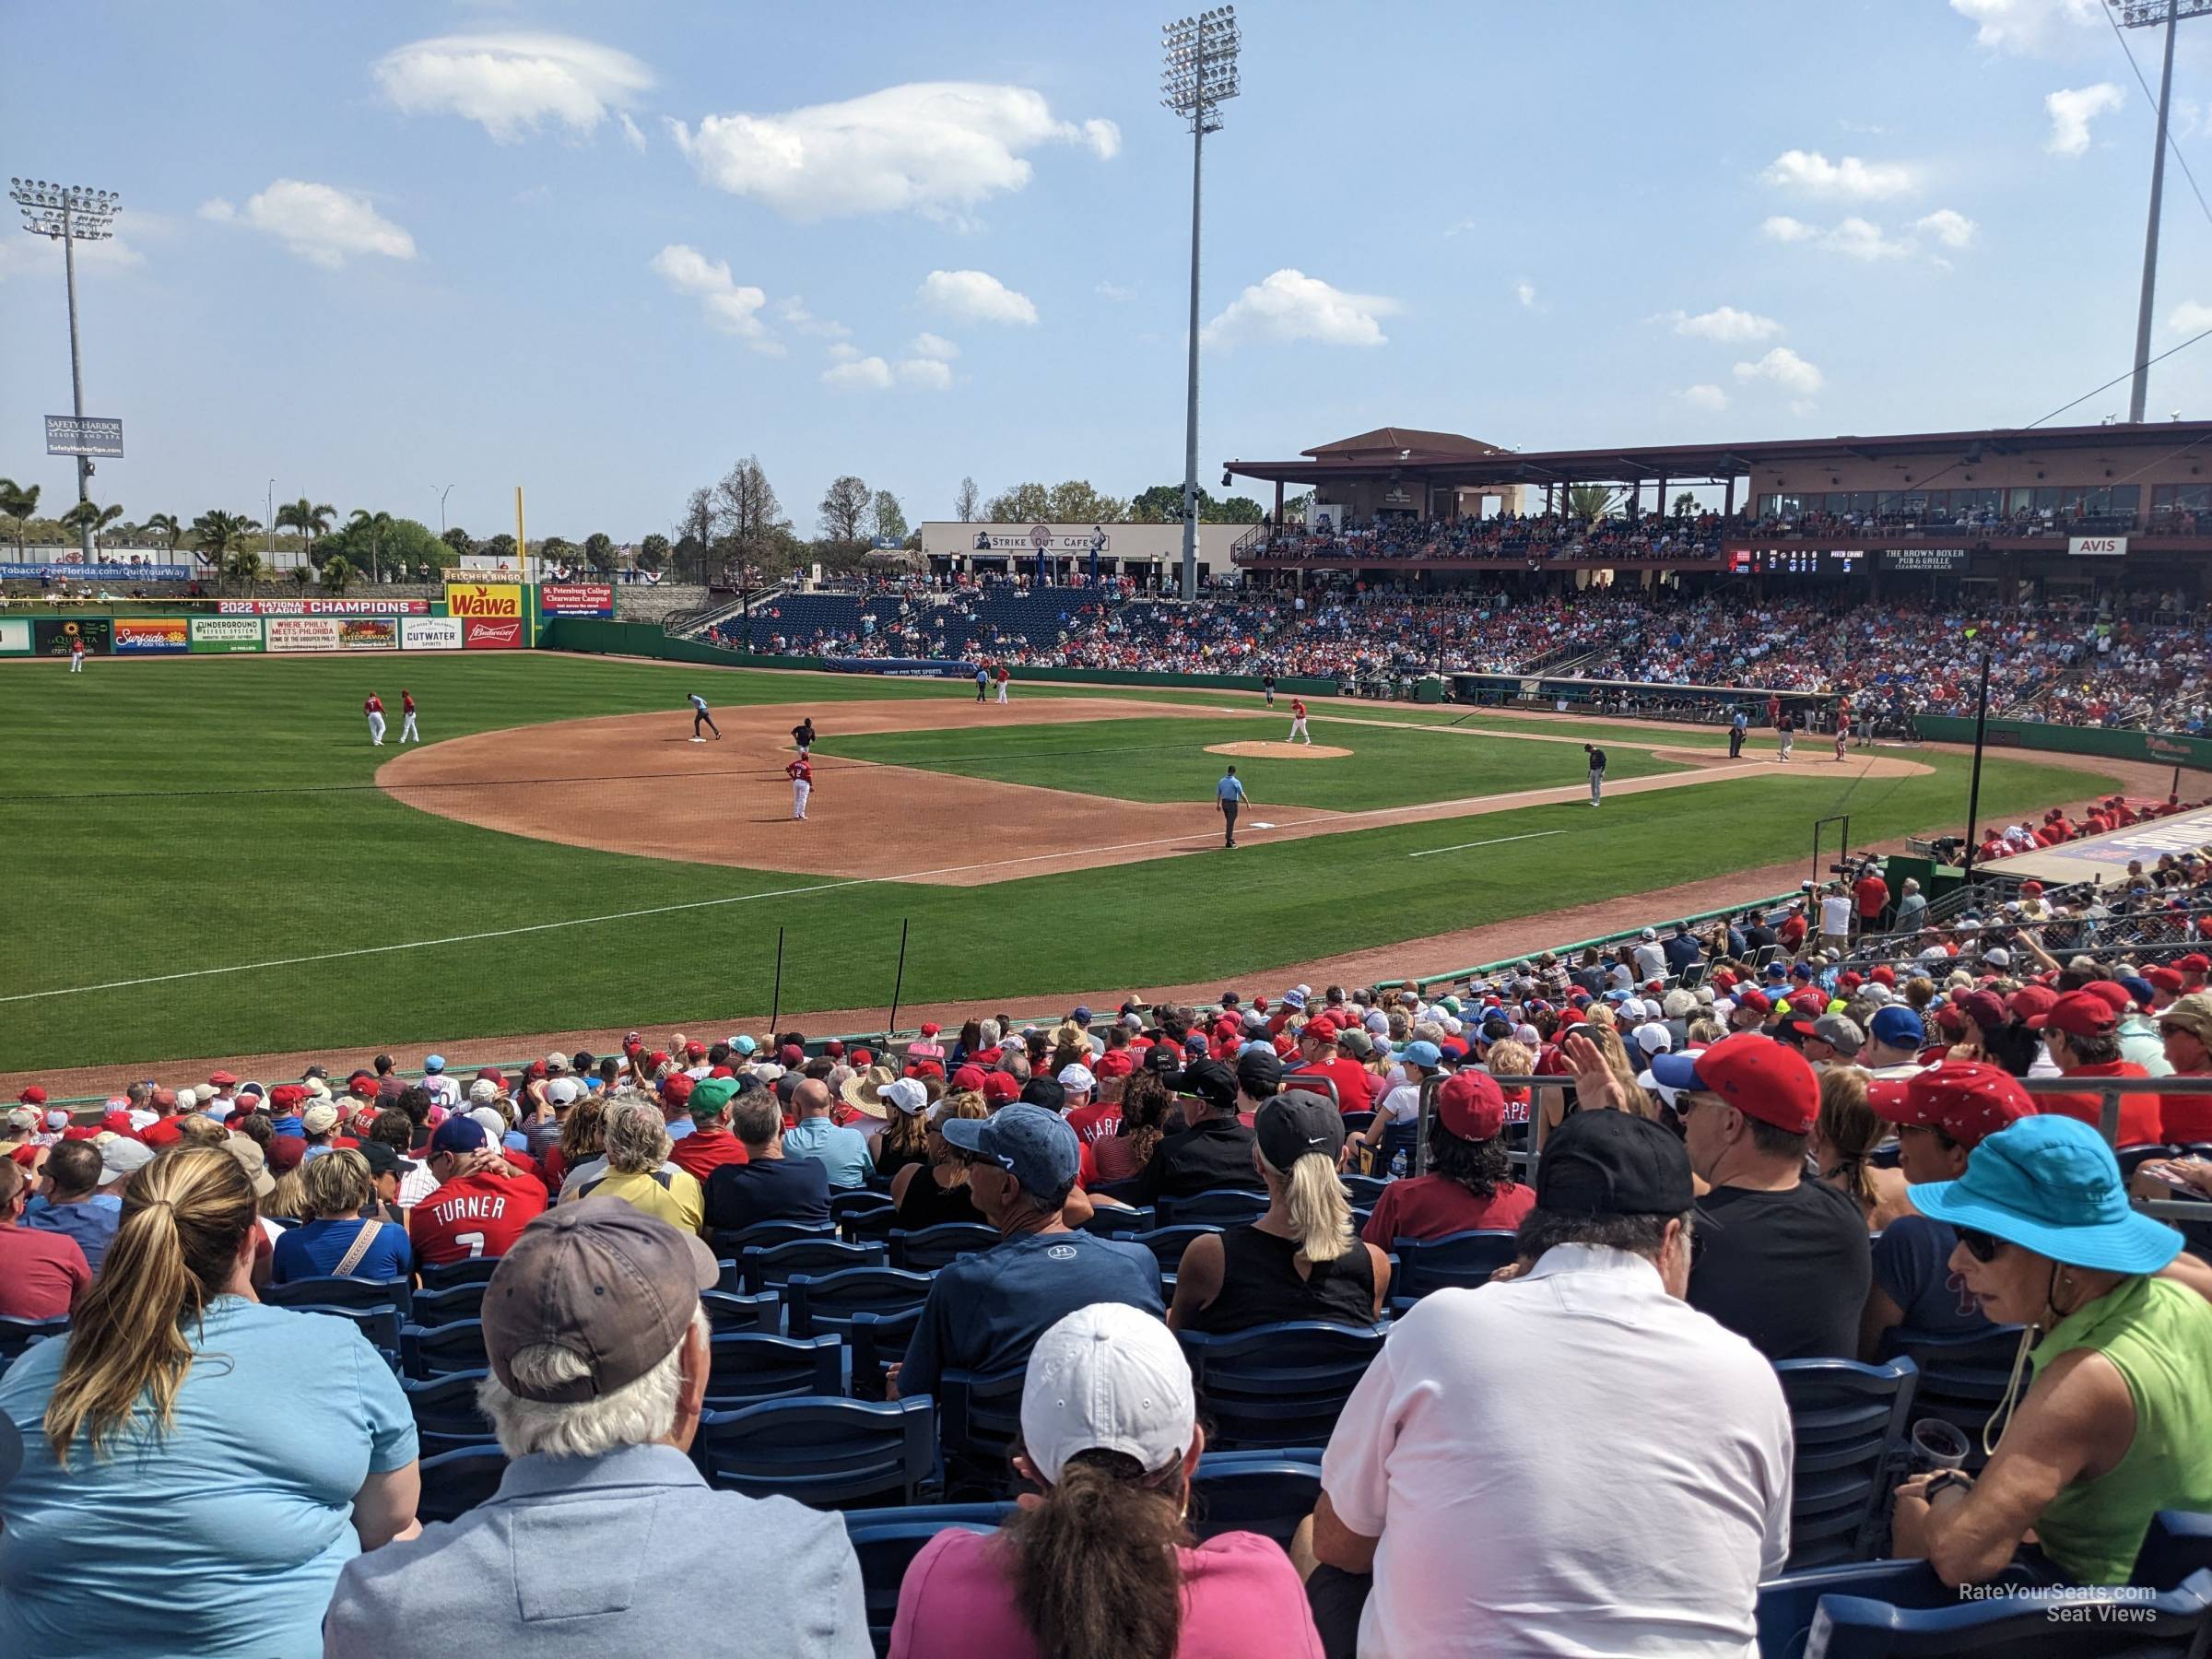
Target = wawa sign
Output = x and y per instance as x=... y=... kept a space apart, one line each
x=490 y=614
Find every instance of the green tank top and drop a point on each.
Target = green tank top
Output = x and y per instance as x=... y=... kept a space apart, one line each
x=2159 y=1336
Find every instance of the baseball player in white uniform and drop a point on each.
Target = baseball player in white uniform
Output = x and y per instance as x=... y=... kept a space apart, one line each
x=77 y=655
x=801 y=773
x=407 y=716
x=1297 y=723
x=374 y=708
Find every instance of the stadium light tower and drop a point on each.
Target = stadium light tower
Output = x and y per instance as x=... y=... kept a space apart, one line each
x=2145 y=13
x=1197 y=75
x=69 y=213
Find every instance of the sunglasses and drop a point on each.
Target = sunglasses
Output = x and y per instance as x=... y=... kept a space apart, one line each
x=1982 y=1246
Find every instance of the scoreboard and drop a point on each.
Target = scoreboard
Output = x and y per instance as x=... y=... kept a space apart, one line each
x=1793 y=561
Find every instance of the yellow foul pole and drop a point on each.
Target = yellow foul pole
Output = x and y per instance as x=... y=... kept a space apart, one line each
x=522 y=563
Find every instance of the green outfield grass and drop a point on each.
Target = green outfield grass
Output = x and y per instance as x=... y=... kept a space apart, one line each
x=1167 y=761
x=165 y=817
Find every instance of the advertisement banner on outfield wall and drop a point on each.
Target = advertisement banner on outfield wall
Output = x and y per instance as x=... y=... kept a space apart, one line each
x=480 y=633
x=369 y=633
x=322 y=607
x=15 y=636
x=146 y=636
x=576 y=599
x=430 y=633
x=302 y=633
x=216 y=634
x=49 y=636
x=103 y=570
x=487 y=601
x=901 y=667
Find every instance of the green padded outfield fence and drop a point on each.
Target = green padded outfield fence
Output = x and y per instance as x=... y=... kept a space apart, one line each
x=2159 y=748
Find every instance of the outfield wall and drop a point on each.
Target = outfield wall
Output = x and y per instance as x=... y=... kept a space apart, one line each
x=2159 y=748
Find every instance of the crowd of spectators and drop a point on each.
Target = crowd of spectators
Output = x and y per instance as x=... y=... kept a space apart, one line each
x=1539 y=537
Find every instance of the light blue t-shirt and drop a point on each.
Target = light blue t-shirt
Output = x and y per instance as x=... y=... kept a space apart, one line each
x=224 y=1536
x=1229 y=789
x=843 y=1152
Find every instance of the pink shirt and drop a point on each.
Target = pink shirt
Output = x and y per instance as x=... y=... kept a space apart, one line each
x=1241 y=1595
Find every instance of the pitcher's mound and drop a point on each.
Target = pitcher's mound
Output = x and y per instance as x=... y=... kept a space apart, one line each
x=1280 y=751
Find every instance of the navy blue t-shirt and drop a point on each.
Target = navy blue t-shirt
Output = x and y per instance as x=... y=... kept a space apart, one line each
x=1911 y=1263
x=986 y=1311
x=769 y=1189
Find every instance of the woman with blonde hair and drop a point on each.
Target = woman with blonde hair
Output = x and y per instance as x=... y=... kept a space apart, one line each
x=1844 y=1137
x=338 y=1241
x=144 y=1518
x=1299 y=1260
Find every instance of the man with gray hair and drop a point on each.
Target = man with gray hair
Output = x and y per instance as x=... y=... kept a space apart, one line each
x=602 y=1528
x=637 y=1168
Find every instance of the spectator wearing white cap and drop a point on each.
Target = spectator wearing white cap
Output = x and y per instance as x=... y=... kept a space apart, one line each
x=903 y=1137
x=1102 y=1566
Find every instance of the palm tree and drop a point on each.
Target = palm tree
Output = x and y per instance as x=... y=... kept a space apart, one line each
x=18 y=502
x=218 y=535
x=1590 y=501
x=165 y=526
x=309 y=518
x=244 y=567
x=90 y=515
x=373 y=525
x=337 y=575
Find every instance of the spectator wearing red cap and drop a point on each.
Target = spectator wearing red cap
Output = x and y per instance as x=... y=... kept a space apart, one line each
x=1319 y=1057
x=1786 y=1264
x=2195 y=971
x=2082 y=1033
x=1470 y=1182
x=1941 y=1116
x=1752 y=1006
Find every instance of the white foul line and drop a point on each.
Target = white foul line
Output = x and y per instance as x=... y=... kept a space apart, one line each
x=1499 y=841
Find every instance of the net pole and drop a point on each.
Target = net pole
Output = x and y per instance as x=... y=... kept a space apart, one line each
x=898 y=983
x=775 y=1001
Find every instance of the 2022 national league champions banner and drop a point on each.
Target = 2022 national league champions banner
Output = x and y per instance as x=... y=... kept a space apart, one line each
x=322 y=607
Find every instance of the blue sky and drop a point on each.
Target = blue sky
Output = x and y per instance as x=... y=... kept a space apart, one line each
x=372 y=251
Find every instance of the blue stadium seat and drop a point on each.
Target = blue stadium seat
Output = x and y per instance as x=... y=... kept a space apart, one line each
x=475 y=1270
x=1460 y=1259
x=1166 y=1243
x=455 y=1482
x=446 y=1418
x=980 y=1415
x=17 y=1334
x=331 y=1292
x=2030 y=1625
x=863 y=1217
x=1851 y=1423
x=1961 y=1378
x=1278 y=1385
x=1240 y=1493
x=733 y=1311
x=746 y=1367
x=2178 y=1544
x=828 y=1301
x=879 y=1341
x=380 y=1325
x=439 y=1350
x=1220 y=1207
x=759 y=1268
x=727 y=1243
x=1786 y=1604
x=830 y=1453
x=930 y=1248
x=1364 y=1189
x=1110 y=1221
x=464 y=1301
x=887 y=1541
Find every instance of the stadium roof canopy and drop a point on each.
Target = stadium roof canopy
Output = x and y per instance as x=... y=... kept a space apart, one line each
x=1448 y=458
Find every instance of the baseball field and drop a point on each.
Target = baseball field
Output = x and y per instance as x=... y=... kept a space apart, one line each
x=208 y=859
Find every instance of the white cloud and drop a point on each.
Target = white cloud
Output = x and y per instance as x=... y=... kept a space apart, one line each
x=1525 y=291
x=733 y=307
x=509 y=84
x=927 y=345
x=859 y=374
x=2072 y=110
x=1785 y=369
x=22 y=255
x=1948 y=226
x=1291 y=305
x=1854 y=236
x=844 y=352
x=976 y=295
x=1808 y=172
x=926 y=373
x=2029 y=26
x=632 y=136
x=1114 y=291
x=1709 y=398
x=2190 y=317
x=793 y=312
x=1783 y=228
x=319 y=222
x=937 y=147
x=1724 y=323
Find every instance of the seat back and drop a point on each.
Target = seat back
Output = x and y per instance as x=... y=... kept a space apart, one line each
x=829 y=1453
x=887 y=1541
x=1962 y=1379
x=17 y=1334
x=1250 y=1494
x=746 y=1367
x=980 y=1413
x=929 y=1248
x=1460 y=1259
x=2178 y=1544
x=1278 y=1385
x=1364 y=1190
x=828 y=1301
x=727 y=1242
x=1112 y=1220
x=733 y=1311
x=438 y=1351
x=334 y=1292
x=454 y=1482
x=1851 y=1422
x=864 y=1217
x=879 y=1341
x=1217 y=1207
x=1166 y=1243
x=464 y=1301
x=446 y=1418
x=2065 y=1623
x=474 y=1271
x=758 y=1268
x=380 y=1324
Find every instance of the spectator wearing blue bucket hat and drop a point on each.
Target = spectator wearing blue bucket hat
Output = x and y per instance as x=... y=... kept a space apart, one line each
x=1397 y=1117
x=2116 y=1423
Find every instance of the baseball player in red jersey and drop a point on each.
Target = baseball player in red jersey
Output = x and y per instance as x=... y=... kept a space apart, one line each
x=801 y=773
x=375 y=709
x=1298 y=721
x=76 y=654
x=480 y=1205
x=1843 y=731
x=407 y=716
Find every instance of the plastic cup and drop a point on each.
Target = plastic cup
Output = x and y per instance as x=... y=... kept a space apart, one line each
x=1937 y=1445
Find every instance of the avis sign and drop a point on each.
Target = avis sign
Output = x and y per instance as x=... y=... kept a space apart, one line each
x=2096 y=547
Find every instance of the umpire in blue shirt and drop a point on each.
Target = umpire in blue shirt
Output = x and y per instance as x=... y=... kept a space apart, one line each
x=986 y=1311
x=1229 y=794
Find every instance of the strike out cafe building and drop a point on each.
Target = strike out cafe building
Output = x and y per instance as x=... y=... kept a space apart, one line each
x=1996 y=517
